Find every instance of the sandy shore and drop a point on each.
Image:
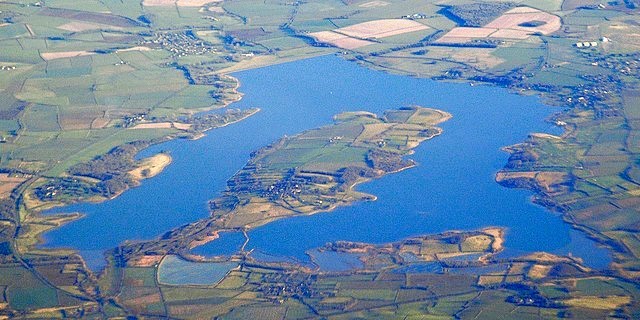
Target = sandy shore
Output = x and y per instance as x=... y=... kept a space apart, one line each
x=152 y=166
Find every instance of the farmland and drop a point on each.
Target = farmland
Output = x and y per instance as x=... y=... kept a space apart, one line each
x=87 y=85
x=362 y=34
x=390 y=285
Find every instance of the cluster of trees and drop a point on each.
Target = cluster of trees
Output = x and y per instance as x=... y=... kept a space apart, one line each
x=65 y=190
x=386 y=161
x=8 y=208
x=116 y=162
x=350 y=175
x=215 y=120
x=111 y=169
x=476 y=14
x=72 y=189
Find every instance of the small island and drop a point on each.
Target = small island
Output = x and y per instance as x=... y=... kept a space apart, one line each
x=311 y=172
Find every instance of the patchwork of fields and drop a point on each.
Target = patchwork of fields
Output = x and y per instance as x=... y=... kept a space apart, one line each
x=85 y=85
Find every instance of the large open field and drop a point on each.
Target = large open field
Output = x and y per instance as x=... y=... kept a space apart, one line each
x=359 y=35
x=179 y=3
x=516 y=24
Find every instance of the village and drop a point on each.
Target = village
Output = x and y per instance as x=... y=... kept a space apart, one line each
x=180 y=44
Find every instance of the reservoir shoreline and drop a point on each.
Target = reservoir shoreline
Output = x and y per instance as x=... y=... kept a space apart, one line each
x=328 y=91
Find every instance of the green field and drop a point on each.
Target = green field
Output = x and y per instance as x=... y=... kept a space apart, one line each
x=77 y=76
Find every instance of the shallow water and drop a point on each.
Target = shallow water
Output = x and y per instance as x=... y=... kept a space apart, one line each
x=175 y=271
x=332 y=261
x=453 y=186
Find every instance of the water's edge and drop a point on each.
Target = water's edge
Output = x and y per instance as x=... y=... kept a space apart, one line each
x=453 y=186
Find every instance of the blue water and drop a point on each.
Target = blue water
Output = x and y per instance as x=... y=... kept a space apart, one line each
x=229 y=243
x=333 y=261
x=175 y=271
x=452 y=188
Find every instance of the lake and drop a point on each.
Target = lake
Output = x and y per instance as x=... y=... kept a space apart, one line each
x=452 y=187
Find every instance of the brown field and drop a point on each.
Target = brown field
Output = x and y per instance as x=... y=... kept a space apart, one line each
x=77 y=26
x=468 y=32
x=354 y=36
x=194 y=3
x=512 y=20
x=625 y=37
x=146 y=261
x=339 y=40
x=374 y=4
x=523 y=10
x=546 y=179
x=144 y=300
x=182 y=126
x=593 y=212
x=215 y=235
x=7 y=184
x=91 y=17
x=370 y=131
x=156 y=125
x=82 y=119
x=538 y=271
x=546 y=257
x=506 y=26
x=381 y=28
x=189 y=309
x=179 y=3
x=99 y=123
x=510 y=34
x=159 y=3
x=465 y=34
x=162 y=125
x=351 y=43
x=629 y=202
x=248 y=34
x=138 y=48
x=600 y=303
x=65 y=54
x=489 y=280
x=502 y=175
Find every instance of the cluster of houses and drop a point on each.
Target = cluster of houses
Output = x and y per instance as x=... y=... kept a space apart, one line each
x=181 y=44
x=590 y=44
x=285 y=188
x=49 y=192
x=414 y=16
x=130 y=121
x=278 y=287
x=54 y=189
x=629 y=65
x=7 y=68
x=588 y=95
x=586 y=44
